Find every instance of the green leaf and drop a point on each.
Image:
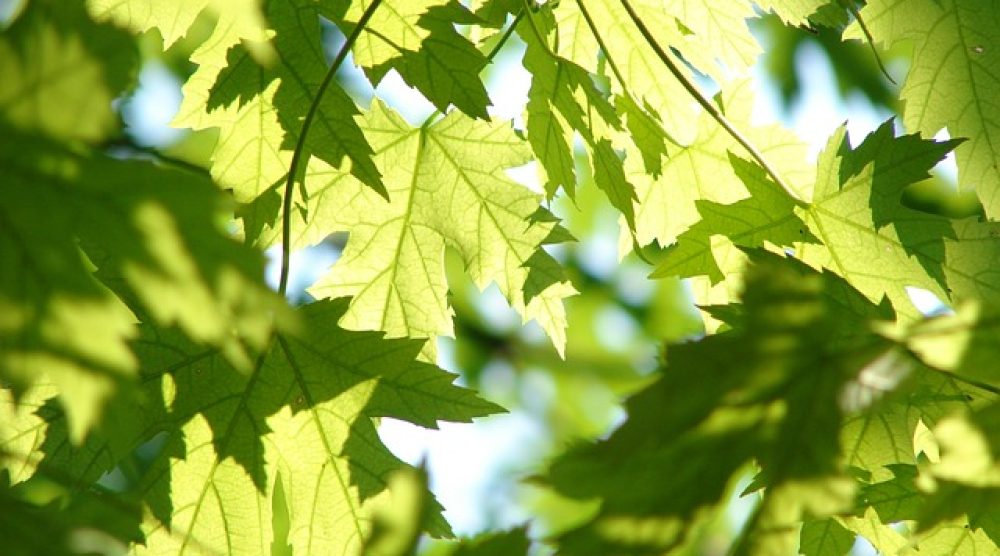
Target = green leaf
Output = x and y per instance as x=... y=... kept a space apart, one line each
x=964 y=343
x=447 y=66
x=420 y=42
x=52 y=53
x=392 y=30
x=882 y=537
x=712 y=38
x=952 y=81
x=160 y=244
x=41 y=519
x=551 y=95
x=395 y=528
x=304 y=413
x=703 y=171
x=897 y=499
x=507 y=543
x=881 y=246
x=644 y=127
x=955 y=539
x=825 y=538
x=302 y=416
x=495 y=11
x=246 y=94
x=173 y=19
x=448 y=189
x=896 y=395
x=716 y=406
x=794 y=12
x=766 y=216
x=644 y=73
x=564 y=100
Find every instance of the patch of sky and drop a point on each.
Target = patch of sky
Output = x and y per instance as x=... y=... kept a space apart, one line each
x=947 y=168
x=493 y=309
x=473 y=468
x=819 y=110
x=615 y=329
x=153 y=105
x=597 y=252
x=632 y=283
x=926 y=302
x=305 y=266
x=8 y=9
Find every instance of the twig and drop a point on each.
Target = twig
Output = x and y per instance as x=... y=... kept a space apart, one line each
x=286 y=209
x=871 y=41
x=709 y=107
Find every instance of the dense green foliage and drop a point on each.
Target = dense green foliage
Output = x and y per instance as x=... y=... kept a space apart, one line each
x=159 y=398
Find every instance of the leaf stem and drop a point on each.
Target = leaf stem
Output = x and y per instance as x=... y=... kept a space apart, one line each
x=709 y=107
x=506 y=36
x=135 y=148
x=871 y=40
x=286 y=209
x=967 y=381
x=535 y=30
x=604 y=48
x=489 y=59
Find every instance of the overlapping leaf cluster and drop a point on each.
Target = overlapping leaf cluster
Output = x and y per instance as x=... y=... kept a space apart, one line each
x=138 y=335
x=177 y=405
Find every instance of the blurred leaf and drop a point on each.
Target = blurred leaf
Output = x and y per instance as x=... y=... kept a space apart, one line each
x=84 y=523
x=768 y=389
x=174 y=19
x=52 y=54
x=160 y=243
x=508 y=543
x=395 y=528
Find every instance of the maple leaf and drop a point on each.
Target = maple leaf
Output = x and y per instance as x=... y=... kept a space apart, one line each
x=794 y=12
x=259 y=111
x=448 y=189
x=700 y=432
x=139 y=347
x=419 y=40
x=577 y=42
x=898 y=394
x=303 y=417
x=391 y=31
x=154 y=235
x=702 y=171
x=552 y=104
x=881 y=246
x=173 y=19
x=507 y=543
x=50 y=53
x=766 y=216
x=958 y=485
x=951 y=83
x=825 y=537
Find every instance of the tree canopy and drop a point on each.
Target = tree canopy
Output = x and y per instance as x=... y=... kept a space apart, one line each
x=158 y=396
